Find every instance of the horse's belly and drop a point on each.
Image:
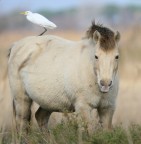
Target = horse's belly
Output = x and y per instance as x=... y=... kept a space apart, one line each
x=47 y=90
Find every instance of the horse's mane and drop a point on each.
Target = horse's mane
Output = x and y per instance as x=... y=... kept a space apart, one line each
x=107 y=36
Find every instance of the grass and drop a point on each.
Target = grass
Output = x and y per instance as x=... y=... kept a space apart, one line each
x=116 y=136
x=67 y=133
x=136 y=134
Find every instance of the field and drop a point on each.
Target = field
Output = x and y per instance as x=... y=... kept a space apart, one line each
x=127 y=118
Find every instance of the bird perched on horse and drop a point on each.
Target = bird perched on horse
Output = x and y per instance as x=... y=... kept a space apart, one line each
x=39 y=20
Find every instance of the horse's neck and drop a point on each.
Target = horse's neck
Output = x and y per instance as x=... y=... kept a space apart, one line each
x=87 y=54
x=89 y=48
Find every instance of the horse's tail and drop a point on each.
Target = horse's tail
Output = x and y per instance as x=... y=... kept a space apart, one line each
x=14 y=127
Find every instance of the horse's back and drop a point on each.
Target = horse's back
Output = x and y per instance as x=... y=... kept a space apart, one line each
x=34 y=43
x=32 y=49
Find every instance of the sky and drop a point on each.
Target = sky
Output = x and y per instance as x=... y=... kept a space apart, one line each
x=34 y=5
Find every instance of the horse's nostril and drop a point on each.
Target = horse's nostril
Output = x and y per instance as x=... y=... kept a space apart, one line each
x=110 y=83
x=102 y=83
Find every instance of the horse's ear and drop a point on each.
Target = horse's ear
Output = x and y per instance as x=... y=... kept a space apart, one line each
x=96 y=36
x=117 y=36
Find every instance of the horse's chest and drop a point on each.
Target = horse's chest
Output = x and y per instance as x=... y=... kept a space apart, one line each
x=101 y=101
x=104 y=103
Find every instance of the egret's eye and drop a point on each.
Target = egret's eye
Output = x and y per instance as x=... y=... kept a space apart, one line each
x=117 y=57
x=96 y=57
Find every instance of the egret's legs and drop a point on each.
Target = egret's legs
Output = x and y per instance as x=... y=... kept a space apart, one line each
x=43 y=32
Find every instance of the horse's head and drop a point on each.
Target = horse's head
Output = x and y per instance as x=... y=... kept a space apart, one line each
x=106 y=55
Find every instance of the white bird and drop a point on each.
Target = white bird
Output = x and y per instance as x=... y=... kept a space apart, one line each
x=39 y=20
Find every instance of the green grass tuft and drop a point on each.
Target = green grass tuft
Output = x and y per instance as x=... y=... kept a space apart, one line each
x=116 y=136
x=135 y=131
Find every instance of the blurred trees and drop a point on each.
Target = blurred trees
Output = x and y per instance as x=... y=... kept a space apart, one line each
x=76 y=18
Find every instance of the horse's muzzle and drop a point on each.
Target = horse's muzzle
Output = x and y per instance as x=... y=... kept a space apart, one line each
x=105 y=86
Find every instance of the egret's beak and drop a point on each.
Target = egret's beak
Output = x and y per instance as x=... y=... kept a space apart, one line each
x=24 y=13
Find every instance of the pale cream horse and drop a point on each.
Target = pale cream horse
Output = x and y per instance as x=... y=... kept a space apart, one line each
x=62 y=75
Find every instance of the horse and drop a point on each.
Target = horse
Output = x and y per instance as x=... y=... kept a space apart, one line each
x=63 y=75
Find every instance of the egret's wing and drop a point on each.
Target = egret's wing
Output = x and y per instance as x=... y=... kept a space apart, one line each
x=41 y=20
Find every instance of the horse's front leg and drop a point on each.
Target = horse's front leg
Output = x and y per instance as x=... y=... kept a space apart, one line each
x=84 y=117
x=105 y=116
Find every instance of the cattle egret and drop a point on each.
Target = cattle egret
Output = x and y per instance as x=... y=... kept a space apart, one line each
x=39 y=20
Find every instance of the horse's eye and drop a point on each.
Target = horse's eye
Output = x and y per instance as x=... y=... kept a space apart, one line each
x=96 y=57
x=117 y=57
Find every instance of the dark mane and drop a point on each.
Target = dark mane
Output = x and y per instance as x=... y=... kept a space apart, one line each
x=107 y=40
